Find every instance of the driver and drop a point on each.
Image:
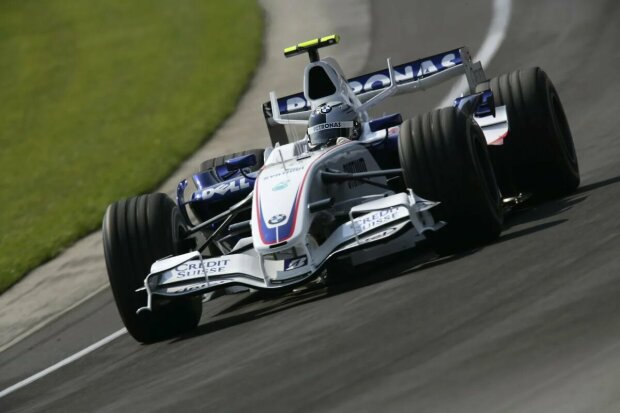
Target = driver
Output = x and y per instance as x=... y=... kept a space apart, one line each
x=331 y=121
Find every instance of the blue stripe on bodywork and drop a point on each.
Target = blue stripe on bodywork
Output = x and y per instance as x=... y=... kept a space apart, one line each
x=269 y=235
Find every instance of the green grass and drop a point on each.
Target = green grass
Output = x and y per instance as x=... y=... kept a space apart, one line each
x=101 y=100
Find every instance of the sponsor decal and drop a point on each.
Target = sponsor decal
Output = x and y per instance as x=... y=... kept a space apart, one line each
x=194 y=269
x=224 y=188
x=294 y=263
x=276 y=219
x=330 y=125
x=282 y=172
x=193 y=287
x=280 y=186
x=325 y=109
x=377 y=218
x=379 y=235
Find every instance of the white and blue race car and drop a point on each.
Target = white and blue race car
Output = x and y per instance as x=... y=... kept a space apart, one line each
x=352 y=190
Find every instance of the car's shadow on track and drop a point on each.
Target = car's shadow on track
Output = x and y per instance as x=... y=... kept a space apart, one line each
x=536 y=211
x=599 y=184
x=256 y=305
x=252 y=306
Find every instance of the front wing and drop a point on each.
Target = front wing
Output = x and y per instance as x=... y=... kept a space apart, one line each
x=388 y=224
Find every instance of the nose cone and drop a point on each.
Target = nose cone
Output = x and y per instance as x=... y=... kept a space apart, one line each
x=278 y=192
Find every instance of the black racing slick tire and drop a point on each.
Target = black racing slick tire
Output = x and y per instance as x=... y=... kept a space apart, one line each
x=137 y=232
x=444 y=158
x=538 y=155
x=211 y=164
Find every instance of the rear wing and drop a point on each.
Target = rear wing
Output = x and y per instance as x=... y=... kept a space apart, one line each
x=410 y=77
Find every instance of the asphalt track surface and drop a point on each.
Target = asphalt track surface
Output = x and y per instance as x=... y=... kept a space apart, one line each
x=529 y=323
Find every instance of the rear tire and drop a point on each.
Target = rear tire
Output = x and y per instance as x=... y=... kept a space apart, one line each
x=137 y=232
x=538 y=156
x=444 y=158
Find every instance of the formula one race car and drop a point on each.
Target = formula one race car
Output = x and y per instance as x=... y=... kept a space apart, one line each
x=353 y=189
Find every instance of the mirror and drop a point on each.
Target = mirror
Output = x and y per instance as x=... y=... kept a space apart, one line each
x=240 y=162
x=385 y=122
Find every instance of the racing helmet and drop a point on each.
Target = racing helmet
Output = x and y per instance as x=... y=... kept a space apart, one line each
x=330 y=121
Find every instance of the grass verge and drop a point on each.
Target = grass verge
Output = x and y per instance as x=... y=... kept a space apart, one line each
x=102 y=100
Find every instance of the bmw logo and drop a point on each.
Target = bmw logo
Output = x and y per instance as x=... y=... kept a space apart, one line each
x=325 y=109
x=276 y=219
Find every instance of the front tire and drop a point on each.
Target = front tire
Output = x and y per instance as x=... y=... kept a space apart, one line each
x=137 y=232
x=444 y=158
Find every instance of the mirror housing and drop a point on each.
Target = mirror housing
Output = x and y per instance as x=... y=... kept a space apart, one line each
x=240 y=162
x=385 y=122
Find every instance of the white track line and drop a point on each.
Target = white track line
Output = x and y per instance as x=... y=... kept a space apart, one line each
x=63 y=363
x=52 y=319
x=493 y=40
